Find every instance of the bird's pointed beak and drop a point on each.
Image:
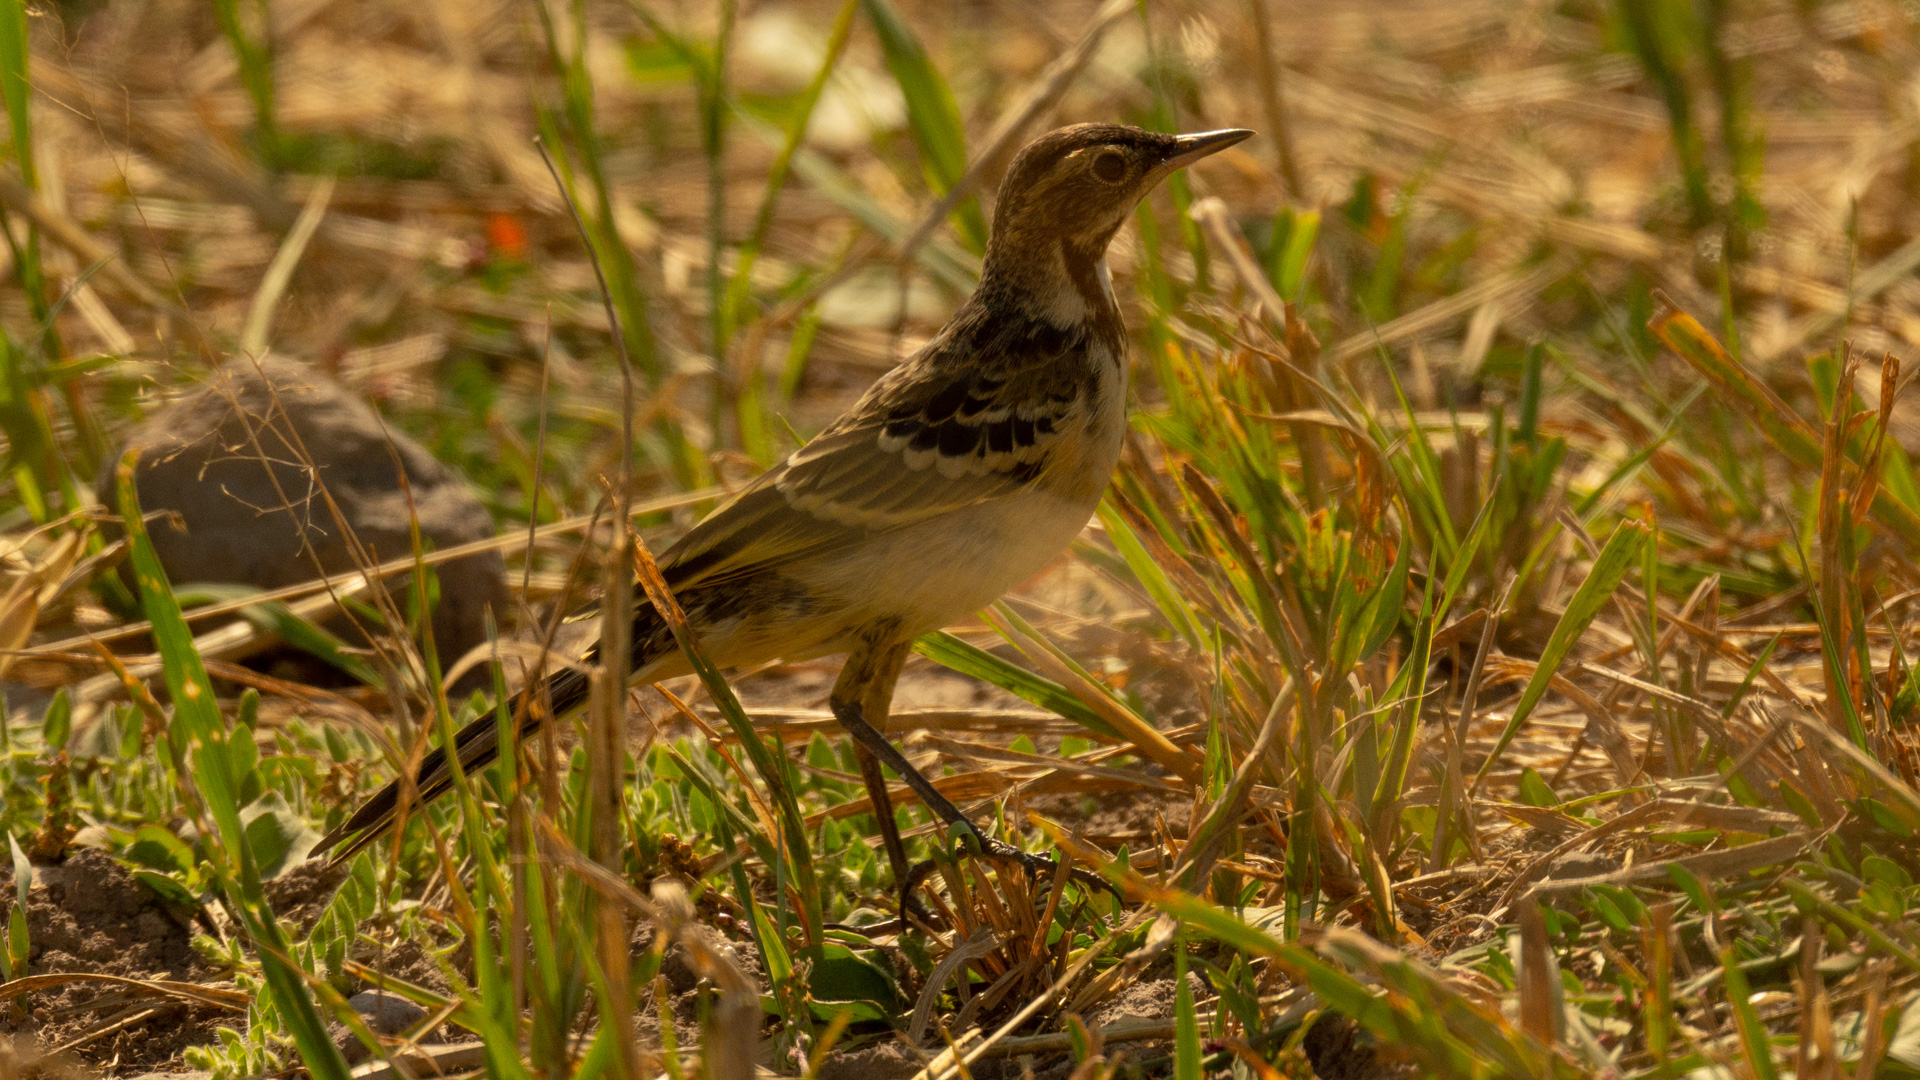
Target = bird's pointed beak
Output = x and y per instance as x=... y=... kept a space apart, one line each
x=1188 y=149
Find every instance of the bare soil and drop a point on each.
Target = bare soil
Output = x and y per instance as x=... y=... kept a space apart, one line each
x=89 y=915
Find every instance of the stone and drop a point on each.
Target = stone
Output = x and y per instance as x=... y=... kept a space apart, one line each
x=229 y=459
x=1580 y=864
x=384 y=1014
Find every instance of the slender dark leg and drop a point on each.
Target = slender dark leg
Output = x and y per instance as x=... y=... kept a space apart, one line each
x=867 y=682
x=865 y=690
x=882 y=810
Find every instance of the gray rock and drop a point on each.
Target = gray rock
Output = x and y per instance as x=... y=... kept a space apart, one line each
x=229 y=460
x=384 y=1014
x=1580 y=864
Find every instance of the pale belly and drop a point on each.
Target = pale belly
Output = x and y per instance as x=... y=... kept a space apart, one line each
x=940 y=572
x=904 y=582
x=892 y=587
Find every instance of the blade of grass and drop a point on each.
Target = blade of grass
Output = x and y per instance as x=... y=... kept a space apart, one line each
x=766 y=761
x=951 y=652
x=253 y=49
x=1617 y=556
x=931 y=114
x=202 y=738
x=1786 y=429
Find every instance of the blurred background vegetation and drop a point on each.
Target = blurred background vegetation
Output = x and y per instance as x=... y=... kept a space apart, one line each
x=1492 y=660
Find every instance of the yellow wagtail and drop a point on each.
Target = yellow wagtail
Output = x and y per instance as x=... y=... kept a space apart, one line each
x=956 y=476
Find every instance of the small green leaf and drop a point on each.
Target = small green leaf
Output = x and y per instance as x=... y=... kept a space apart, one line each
x=1881 y=868
x=1609 y=912
x=1534 y=791
x=155 y=847
x=1799 y=805
x=57 y=726
x=167 y=888
x=842 y=977
x=22 y=871
x=1695 y=891
x=1884 y=817
x=277 y=836
x=19 y=945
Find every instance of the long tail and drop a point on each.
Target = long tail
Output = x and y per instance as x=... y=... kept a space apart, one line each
x=477 y=745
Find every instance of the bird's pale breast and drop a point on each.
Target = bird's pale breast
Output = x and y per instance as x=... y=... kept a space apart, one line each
x=940 y=571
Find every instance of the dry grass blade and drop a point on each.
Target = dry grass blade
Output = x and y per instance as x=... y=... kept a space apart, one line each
x=1538 y=978
x=1513 y=288
x=217 y=997
x=33 y=582
x=273 y=284
x=982 y=943
x=68 y=233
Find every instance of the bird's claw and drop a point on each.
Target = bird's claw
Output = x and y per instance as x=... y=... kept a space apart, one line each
x=1038 y=867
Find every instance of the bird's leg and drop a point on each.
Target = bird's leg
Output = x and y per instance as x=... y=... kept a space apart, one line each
x=864 y=692
x=862 y=696
x=876 y=702
x=851 y=702
x=882 y=810
x=865 y=689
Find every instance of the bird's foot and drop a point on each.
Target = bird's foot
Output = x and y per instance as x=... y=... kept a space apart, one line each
x=1039 y=868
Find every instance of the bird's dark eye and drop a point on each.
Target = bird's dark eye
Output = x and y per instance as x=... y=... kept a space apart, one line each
x=1110 y=166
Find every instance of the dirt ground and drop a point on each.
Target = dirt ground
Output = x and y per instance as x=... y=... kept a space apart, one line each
x=89 y=915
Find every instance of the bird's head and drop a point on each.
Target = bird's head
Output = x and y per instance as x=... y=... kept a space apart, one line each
x=1072 y=188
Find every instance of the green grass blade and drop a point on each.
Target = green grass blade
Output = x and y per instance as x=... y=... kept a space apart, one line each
x=201 y=736
x=948 y=651
x=15 y=90
x=931 y=113
x=1186 y=1029
x=1786 y=429
x=1622 y=550
x=1753 y=1033
x=797 y=855
x=955 y=268
x=253 y=51
x=1166 y=596
x=741 y=285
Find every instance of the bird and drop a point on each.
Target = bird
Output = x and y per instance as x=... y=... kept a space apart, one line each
x=958 y=474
